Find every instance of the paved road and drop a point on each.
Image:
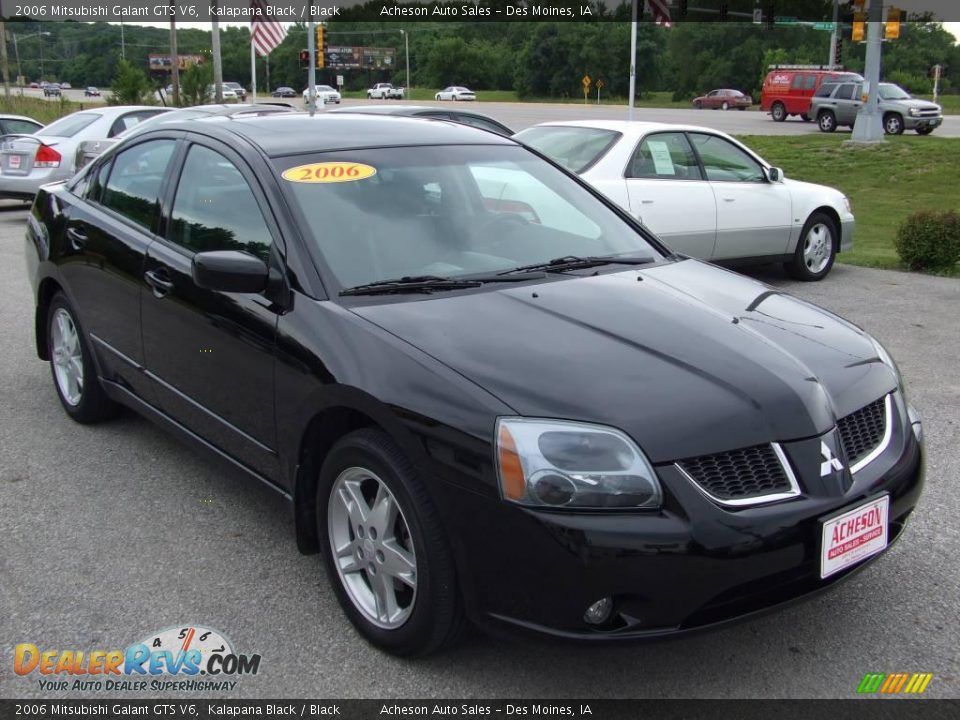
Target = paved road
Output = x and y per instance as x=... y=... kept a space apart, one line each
x=108 y=533
x=522 y=115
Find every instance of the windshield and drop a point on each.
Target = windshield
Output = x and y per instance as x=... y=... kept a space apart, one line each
x=70 y=125
x=892 y=92
x=576 y=148
x=448 y=211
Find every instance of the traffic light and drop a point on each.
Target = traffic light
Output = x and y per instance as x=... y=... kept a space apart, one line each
x=769 y=14
x=859 y=27
x=321 y=46
x=724 y=11
x=304 y=59
x=891 y=30
x=682 y=9
x=838 y=52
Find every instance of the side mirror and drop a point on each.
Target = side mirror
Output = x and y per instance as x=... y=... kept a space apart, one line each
x=774 y=174
x=229 y=271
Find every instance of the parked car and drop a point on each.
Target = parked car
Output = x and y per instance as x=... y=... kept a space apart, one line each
x=18 y=125
x=455 y=92
x=324 y=94
x=284 y=92
x=91 y=92
x=51 y=90
x=789 y=89
x=567 y=432
x=466 y=117
x=66 y=86
x=239 y=90
x=229 y=96
x=837 y=104
x=385 y=91
x=704 y=193
x=34 y=85
x=27 y=162
x=90 y=149
x=722 y=100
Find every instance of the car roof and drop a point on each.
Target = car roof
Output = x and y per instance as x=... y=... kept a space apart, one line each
x=632 y=128
x=403 y=110
x=294 y=133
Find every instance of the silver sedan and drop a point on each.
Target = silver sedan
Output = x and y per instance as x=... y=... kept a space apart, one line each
x=29 y=161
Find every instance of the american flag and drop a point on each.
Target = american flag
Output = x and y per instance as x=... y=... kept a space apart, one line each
x=266 y=33
x=660 y=11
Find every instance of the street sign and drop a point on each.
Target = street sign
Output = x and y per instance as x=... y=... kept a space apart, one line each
x=599 y=84
x=785 y=20
x=586 y=81
x=339 y=80
x=828 y=26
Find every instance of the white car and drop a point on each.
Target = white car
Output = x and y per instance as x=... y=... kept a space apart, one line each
x=455 y=92
x=229 y=95
x=325 y=94
x=705 y=194
x=385 y=91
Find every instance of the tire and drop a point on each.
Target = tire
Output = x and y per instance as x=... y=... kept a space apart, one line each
x=366 y=466
x=892 y=124
x=71 y=366
x=805 y=117
x=779 y=112
x=437 y=97
x=827 y=121
x=725 y=106
x=924 y=130
x=810 y=263
x=697 y=105
x=741 y=108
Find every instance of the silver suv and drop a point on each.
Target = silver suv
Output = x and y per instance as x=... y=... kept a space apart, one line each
x=838 y=104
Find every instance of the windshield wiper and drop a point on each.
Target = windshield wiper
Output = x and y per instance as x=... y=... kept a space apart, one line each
x=575 y=262
x=429 y=283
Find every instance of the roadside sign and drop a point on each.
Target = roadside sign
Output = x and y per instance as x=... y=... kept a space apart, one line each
x=757 y=16
x=339 y=80
x=599 y=84
x=828 y=26
x=785 y=20
x=586 y=81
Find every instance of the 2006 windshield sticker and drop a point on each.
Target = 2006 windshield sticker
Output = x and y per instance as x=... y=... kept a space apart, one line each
x=329 y=172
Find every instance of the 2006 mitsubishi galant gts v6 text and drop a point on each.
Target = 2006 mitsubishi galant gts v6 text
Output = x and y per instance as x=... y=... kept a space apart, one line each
x=524 y=412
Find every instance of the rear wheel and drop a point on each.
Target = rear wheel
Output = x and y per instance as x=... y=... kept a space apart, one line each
x=924 y=130
x=725 y=106
x=385 y=550
x=892 y=124
x=778 y=112
x=697 y=105
x=71 y=365
x=816 y=250
x=827 y=121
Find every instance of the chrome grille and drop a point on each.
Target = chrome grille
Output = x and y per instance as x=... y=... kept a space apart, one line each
x=741 y=476
x=863 y=430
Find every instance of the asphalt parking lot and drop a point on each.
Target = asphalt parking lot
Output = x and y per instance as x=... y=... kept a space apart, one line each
x=112 y=532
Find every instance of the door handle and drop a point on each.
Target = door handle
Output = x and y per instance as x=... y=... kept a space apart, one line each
x=646 y=202
x=78 y=239
x=161 y=284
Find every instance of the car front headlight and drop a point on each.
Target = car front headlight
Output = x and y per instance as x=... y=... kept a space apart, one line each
x=847 y=205
x=914 y=112
x=570 y=465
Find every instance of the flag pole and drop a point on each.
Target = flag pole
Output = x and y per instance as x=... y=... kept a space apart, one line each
x=633 y=58
x=253 y=69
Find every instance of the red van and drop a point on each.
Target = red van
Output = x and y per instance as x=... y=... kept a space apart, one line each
x=788 y=89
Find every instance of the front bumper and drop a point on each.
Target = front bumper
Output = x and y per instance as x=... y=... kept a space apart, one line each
x=688 y=567
x=846 y=234
x=912 y=123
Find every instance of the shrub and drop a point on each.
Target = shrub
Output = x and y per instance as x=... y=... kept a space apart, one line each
x=130 y=86
x=929 y=240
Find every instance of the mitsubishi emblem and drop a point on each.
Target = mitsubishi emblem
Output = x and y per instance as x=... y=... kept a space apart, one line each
x=830 y=463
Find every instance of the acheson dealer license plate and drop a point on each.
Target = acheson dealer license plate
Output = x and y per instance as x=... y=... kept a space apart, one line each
x=854 y=535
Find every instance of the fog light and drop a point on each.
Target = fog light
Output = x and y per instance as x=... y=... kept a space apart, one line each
x=599 y=612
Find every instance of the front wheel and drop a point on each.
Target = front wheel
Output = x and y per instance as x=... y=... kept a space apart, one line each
x=893 y=124
x=697 y=105
x=437 y=97
x=71 y=364
x=385 y=549
x=816 y=250
x=778 y=112
x=725 y=106
x=805 y=117
x=924 y=130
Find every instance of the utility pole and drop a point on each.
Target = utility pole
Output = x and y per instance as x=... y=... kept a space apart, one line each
x=836 y=32
x=3 y=60
x=633 y=59
x=40 y=40
x=174 y=56
x=869 y=125
x=217 y=62
x=312 y=67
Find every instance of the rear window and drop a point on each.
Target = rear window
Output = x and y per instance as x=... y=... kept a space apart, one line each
x=576 y=148
x=70 y=125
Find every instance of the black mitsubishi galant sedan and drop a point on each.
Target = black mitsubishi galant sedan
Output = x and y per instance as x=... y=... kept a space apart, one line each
x=486 y=391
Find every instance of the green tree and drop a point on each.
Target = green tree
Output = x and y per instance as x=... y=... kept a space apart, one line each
x=130 y=86
x=193 y=84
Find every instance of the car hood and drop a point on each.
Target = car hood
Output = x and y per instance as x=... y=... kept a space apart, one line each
x=912 y=103
x=687 y=358
x=799 y=186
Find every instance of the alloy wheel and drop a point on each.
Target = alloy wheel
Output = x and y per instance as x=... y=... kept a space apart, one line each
x=817 y=246
x=67 y=357
x=372 y=548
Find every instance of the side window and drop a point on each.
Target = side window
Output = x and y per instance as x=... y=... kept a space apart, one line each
x=125 y=122
x=215 y=209
x=133 y=187
x=810 y=83
x=21 y=126
x=666 y=156
x=797 y=83
x=844 y=92
x=725 y=162
x=825 y=90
